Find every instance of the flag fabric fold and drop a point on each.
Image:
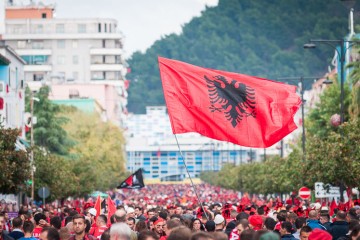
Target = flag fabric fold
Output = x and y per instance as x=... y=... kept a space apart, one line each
x=111 y=209
x=245 y=110
x=134 y=181
x=97 y=205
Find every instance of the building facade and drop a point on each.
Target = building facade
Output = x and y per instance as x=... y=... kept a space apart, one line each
x=66 y=51
x=12 y=89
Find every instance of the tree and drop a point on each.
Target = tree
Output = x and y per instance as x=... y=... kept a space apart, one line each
x=97 y=156
x=15 y=165
x=48 y=131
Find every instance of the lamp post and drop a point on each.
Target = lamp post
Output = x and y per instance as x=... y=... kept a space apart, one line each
x=341 y=55
x=32 y=99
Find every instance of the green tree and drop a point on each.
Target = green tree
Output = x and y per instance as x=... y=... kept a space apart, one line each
x=15 y=165
x=97 y=156
x=48 y=131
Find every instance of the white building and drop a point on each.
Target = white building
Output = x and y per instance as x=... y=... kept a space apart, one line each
x=12 y=91
x=66 y=51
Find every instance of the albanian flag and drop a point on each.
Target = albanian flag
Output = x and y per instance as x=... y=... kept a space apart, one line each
x=245 y=110
x=135 y=180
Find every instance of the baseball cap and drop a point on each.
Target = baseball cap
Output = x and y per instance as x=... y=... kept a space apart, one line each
x=219 y=219
x=92 y=211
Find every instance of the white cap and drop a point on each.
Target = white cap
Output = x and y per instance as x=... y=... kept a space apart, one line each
x=317 y=206
x=219 y=219
x=325 y=208
x=130 y=210
x=92 y=211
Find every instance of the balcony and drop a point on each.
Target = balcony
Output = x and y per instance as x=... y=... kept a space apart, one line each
x=37 y=68
x=32 y=52
x=106 y=67
x=106 y=51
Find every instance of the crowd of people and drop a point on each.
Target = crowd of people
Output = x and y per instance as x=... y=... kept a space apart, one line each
x=173 y=212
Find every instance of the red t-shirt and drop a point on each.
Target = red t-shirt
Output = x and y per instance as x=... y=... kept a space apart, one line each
x=37 y=232
x=99 y=231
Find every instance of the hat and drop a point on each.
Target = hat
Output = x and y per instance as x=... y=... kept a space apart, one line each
x=159 y=221
x=210 y=226
x=92 y=211
x=318 y=234
x=219 y=219
x=317 y=206
x=130 y=210
x=256 y=221
x=325 y=208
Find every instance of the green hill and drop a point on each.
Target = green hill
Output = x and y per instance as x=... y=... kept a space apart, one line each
x=256 y=37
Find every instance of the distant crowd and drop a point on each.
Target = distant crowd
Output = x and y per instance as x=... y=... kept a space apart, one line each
x=172 y=212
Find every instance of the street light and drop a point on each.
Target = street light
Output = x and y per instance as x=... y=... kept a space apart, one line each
x=32 y=99
x=341 y=55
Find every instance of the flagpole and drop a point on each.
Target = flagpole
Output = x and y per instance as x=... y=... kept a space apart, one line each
x=201 y=205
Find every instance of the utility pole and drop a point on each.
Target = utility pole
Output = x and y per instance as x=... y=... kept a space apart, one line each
x=32 y=145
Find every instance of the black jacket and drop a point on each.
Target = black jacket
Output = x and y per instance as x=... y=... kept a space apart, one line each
x=338 y=229
x=5 y=235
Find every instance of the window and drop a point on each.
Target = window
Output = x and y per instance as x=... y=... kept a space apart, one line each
x=61 y=59
x=99 y=27
x=43 y=15
x=75 y=75
x=75 y=59
x=60 y=28
x=105 y=27
x=81 y=28
x=39 y=28
x=21 y=44
x=60 y=43
x=110 y=25
x=75 y=44
x=37 y=44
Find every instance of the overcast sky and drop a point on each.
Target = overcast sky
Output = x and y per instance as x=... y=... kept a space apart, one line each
x=141 y=21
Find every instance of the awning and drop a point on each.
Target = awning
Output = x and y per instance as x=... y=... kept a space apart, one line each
x=21 y=144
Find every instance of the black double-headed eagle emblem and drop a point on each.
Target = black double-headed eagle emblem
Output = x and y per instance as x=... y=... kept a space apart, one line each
x=235 y=99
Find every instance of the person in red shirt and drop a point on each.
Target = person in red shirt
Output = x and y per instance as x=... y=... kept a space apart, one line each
x=101 y=226
x=40 y=222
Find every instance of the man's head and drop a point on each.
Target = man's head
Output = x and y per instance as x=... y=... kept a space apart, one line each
x=101 y=220
x=179 y=210
x=38 y=217
x=91 y=213
x=28 y=227
x=138 y=211
x=79 y=224
x=150 y=213
x=17 y=222
x=131 y=223
x=242 y=225
x=55 y=222
x=324 y=218
x=159 y=226
x=219 y=222
x=120 y=215
x=120 y=231
x=130 y=212
x=286 y=228
x=171 y=224
x=341 y=216
x=49 y=233
x=305 y=232
x=313 y=214
x=255 y=222
x=300 y=222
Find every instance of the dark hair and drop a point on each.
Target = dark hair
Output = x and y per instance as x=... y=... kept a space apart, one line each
x=112 y=219
x=281 y=216
x=260 y=211
x=103 y=218
x=173 y=223
x=247 y=234
x=105 y=235
x=28 y=227
x=145 y=234
x=77 y=216
x=341 y=215
x=180 y=233
x=163 y=214
x=242 y=215
x=355 y=231
x=352 y=224
x=131 y=219
x=68 y=219
x=306 y=229
x=210 y=226
x=73 y=213
x=88 y=226
x=201 y=236
x=300 y=222
x=55 y=222
x=270 y=223
x=141 y=226
x=287 y=226
x=17 y=222
x=38 y=217
x=52 y=233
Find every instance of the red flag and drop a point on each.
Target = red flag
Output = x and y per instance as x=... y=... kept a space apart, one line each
x=134 y=181
x=111 y=209
x=332 y=207
x=237 y=108
x=97 y=205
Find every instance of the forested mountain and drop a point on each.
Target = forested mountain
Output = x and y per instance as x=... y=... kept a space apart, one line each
x=256 y=37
